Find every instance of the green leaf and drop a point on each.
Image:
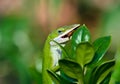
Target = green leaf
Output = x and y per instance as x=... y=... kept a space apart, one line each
x=106 y=80
x=104 y=75
x=67 y=78
x=101 y=46
x=57 y=79
x=68 y=48
x=84 y=53
x=82 y=34
x=102 y=71
x=54 y=76
x=71 y=69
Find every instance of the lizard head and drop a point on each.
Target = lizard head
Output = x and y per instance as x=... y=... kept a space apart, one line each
x=63 y=34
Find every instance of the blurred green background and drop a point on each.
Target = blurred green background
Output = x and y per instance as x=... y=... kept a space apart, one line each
x=25 y=24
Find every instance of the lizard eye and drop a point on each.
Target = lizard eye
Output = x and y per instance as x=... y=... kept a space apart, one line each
x=59 y=31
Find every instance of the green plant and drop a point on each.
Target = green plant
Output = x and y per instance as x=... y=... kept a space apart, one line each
x=83 y=63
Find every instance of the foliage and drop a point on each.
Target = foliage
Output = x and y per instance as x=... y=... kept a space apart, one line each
x=16 y=52
x=84 y=64
x=110 y=25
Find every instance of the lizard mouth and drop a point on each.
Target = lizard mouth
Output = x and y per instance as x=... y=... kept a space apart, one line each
x=69 y=34
x=63 y=38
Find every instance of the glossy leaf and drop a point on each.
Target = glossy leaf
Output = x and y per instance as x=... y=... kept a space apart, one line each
x=101 y=46
x=54 y=77
x=106 y=79
x=104 y=75
x=68 y=48
x=84 y=53
x=102 y=71
x=57 y=79
x=65 y=77
x=71 y=69
x=80 y=35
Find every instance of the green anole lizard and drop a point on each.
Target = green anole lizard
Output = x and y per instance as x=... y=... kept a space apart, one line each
x=52 y=52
